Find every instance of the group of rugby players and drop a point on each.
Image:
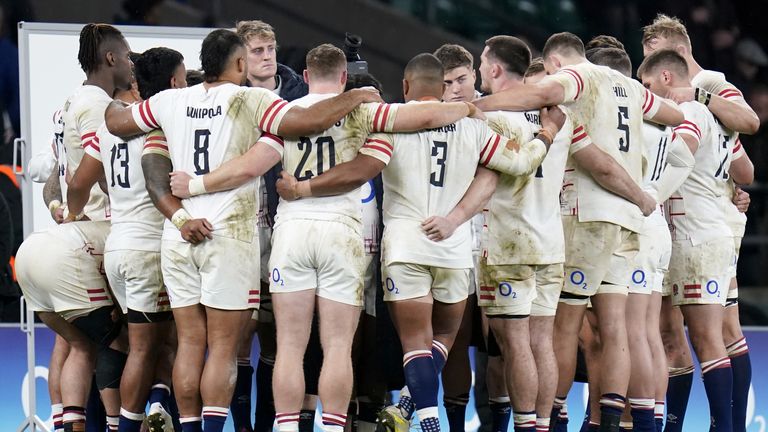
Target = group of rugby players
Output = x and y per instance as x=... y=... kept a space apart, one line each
x=573 y=205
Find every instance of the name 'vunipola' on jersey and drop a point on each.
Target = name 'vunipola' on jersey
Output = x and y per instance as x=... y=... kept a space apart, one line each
x=203 y=129
x=611 y=107
x=427 y=174
x=136 y=223
x=311 y=156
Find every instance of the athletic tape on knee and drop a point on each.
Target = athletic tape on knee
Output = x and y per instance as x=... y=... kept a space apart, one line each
x=109 y=368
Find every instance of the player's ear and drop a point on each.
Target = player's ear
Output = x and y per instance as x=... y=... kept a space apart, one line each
x=681 y=49
x=666 y=76
x=306 y=76
x=406 y=87
x=109 y=57
x=344 y=78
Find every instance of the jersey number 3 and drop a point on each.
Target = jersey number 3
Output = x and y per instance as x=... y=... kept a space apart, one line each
x=439 y=154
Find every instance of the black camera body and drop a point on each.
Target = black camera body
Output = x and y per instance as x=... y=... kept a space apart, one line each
x=355 y=65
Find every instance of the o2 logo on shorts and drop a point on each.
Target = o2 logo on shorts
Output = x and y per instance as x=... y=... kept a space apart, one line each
x=276 y=278
x=390 y=285
x=638 y=278
x=713 y=288
x=505 y=289
x=577 y=278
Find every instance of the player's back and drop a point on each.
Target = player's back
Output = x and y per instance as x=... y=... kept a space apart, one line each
x=81 y=116
x=136 y=223
x=205 y=128
x=428 y=174
x=307 y=157
x=697 y=210
x=610 y=106
x=523 y=218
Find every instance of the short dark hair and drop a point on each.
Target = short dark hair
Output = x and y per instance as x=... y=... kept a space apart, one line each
x=426 y=68
x=194 y=77
x=363 y=80
x=453 y=56
x=536 y=67
x=666 y=58
x=217 y=48
x=604 y=41
x=511 y=52
x=92 y=39
x=326 y=60
x=614 y=58
x=565 y=43
x=154 y=70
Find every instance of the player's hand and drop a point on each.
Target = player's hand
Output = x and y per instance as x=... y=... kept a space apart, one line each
x=196 y=230
x=438 y=228
x=648 y=204
x=58 y=215
x=552 y=119
x=681 y=94
x=741 y=200
x=368 y=94
x=180 y=184
x=287 y=186
x=475 y=112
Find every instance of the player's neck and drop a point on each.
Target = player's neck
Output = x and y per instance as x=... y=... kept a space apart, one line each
x=571 y=60
x=506 y=84
x=325 y=87
x=269 y=83
x=693 y=67
x=102 y=81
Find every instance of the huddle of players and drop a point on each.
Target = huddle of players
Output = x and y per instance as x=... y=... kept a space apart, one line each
x=563 y=198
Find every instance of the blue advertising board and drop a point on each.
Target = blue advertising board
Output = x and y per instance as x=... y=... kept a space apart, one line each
x=14 y=376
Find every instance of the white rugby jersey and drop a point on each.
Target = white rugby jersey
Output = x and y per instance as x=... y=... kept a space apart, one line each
x=307 y=157
x=735 y=219
x=81 y=116
x=370 y=217
x=715 y=82
x=523 y=216
x=205 y=128
x=427 y=174
x=697 y=210
x=136 y=223
x=658 y=140
x=611 y=109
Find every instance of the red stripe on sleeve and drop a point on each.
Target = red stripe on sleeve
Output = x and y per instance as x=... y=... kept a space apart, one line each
x=375 y=126
x=650 y=101
x=384 y=118
x=382 y=142
x=578 y=130
x=493 y=150
x=88 y=135
x=485 y=148
x=267 y=112
x=579 y=137
x=143 y=114
x=377 y=147
x=154 y=124
x=577 y=78
x=275 y=113
x=728 y=93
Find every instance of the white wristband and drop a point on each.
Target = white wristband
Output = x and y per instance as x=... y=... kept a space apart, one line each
x=197 y=186
x=54 y=205
x=180 y=218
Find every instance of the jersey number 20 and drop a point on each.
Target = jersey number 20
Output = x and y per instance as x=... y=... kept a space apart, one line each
x=320 y=144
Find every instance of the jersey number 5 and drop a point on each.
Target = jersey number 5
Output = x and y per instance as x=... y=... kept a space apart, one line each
x=624 y=127
x=120 y=154
x=439 y=153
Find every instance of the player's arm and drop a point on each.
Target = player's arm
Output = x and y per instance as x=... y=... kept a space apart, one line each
x=473 y=202
x=428 y=115
x=233 y=173
x=680 y=162
x=120 y=120
x=372 y=158
x=727 y=105
x=299 y=121
x=52 y=195
x=522 y=159
x=742 y=170
x=157 y=166
x=547 y=92
x=88 y=173
x=612 y=176
x=659 y=110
